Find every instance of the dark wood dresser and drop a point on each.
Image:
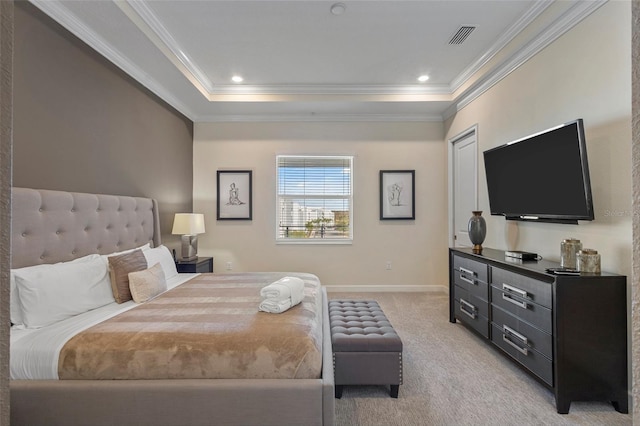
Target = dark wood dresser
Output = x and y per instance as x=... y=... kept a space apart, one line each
x=570 y=332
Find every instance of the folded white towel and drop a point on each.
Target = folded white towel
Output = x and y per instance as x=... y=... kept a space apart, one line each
x=287 y=288
x=274 y=306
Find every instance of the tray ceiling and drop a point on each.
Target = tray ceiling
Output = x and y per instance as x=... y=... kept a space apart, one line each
x=300 y=61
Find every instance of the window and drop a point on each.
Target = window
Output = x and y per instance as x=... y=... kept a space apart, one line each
x=314 y=199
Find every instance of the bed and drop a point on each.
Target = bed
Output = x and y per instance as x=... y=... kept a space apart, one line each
x=54 y=226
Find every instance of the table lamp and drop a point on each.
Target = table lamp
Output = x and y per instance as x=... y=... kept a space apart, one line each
x=189 y=225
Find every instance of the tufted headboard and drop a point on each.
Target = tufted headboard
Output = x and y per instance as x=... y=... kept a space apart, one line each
x=55 y=226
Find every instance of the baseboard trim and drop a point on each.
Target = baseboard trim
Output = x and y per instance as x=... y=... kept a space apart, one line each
x=387 y=288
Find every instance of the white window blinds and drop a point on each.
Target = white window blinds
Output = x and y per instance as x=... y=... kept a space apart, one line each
x=314 y=198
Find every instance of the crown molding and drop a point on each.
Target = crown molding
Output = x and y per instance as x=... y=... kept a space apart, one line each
x=158 y=34
x=535 y=11
x=553 y=31
x=68 y=20
x=321 y=118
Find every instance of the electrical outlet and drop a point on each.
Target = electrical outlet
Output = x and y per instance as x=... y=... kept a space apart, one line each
x=229 y=266
x=388 y=265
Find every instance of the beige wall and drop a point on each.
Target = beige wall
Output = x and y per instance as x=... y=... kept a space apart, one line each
x=417 y=249
x=584 y=74
x=82 y=125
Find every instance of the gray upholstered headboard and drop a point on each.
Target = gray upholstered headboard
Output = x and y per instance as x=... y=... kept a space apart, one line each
x=56 y=226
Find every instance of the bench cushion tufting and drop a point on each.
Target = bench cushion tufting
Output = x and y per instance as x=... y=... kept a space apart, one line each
x=361 y=326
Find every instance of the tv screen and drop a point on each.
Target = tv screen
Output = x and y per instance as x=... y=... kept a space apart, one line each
x=543 y=177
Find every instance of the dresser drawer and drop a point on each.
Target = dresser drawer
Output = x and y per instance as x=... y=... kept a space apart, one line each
x=472 y=285
x=522 y=333
x=534 y=314
x=469 y=269
x=472 y=276
x=522 y=286
x=535 y=362
x=472 y=311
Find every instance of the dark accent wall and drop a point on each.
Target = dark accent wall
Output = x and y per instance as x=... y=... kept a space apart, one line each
x=6 y=110
x=81 y=124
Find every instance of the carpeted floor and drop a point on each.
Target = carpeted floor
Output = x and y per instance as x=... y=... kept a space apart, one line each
x=452 y=377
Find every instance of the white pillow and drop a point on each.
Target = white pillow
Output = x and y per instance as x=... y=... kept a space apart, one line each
x=147 y=284
x=52 y=293
x=162 y=256
x=15 y=309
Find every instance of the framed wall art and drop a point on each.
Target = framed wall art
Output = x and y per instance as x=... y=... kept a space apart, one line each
x=397 y=194
x=234 y=195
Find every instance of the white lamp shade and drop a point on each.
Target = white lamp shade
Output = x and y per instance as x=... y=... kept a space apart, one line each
x=188 y=224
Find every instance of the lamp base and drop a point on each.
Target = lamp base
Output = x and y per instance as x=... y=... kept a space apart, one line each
x=189 y=247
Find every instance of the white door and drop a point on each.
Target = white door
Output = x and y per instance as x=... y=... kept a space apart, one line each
x=465 y=185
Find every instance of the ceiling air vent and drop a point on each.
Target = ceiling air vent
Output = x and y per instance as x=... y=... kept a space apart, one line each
x=461 y=35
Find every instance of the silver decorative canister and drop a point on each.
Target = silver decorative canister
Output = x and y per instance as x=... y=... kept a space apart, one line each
x=569 y=249
x=589 y=261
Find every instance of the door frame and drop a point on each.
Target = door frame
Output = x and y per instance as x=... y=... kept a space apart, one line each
x=473 y=130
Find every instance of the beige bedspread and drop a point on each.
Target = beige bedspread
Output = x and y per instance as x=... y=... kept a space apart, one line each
x=208 y=327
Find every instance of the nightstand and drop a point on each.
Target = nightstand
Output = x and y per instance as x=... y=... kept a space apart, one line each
x=201 y=264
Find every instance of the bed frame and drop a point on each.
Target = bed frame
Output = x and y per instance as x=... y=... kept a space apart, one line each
x=53 y=226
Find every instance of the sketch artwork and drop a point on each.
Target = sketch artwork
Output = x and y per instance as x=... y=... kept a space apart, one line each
x=234 y=200
x=393 y=194
x=234 y=194
x=397 y=194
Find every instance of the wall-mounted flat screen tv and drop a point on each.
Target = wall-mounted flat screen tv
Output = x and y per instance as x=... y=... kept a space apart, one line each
x=543 y=177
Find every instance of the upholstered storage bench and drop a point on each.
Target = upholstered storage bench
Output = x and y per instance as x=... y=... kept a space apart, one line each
x=366 y=348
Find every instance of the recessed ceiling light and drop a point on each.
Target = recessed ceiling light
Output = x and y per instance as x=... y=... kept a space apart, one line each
x=338 y=8
x=423 y=78
x=237 y=79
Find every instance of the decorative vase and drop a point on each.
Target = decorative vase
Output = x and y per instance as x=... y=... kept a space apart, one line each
x=569 y=249
x=588 y=260
x=477 y=230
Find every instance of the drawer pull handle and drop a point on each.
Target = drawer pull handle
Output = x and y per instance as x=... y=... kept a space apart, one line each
x=508 y=341
x=465 y=279
x=467 y=271
x=518 y=303
x=471 y=314
x=515 y=290
x=511 y=332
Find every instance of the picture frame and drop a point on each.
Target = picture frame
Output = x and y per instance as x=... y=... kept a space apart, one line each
x=397 y=195
x=234 y=195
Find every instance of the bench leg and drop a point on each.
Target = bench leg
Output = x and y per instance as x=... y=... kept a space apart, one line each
x=394 y=391
x=338 y=391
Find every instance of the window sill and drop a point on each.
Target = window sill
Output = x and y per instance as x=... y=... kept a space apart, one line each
x=321 y=242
